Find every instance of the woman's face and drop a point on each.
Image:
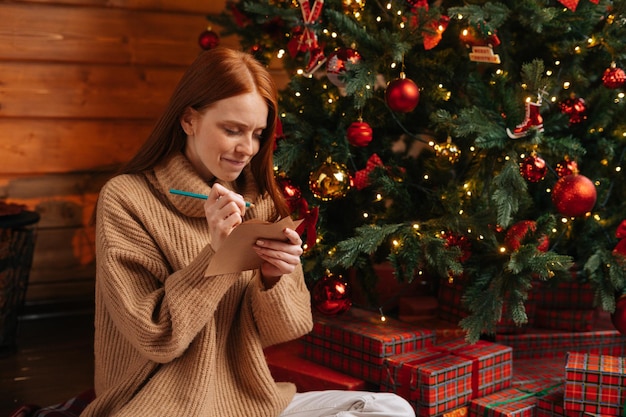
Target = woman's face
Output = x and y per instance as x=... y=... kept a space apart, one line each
x=222 y=139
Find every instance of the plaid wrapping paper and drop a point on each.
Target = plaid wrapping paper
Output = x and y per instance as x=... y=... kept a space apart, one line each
x=444 y=330
x=545 y=343
x=551 y=405
x=565 y=295
x=399 y=370
x=573 y=320
x=492 y=364
x=358 y=342
x=529 y=370
x=511 y=402
x=595 y=384
x=442 y=385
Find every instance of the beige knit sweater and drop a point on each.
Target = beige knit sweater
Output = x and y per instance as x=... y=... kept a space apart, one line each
x=168 y=340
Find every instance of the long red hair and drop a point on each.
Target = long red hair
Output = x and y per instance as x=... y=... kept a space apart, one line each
x=215 y=75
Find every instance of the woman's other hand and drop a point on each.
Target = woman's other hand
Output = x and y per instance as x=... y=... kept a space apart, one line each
x=279 y=257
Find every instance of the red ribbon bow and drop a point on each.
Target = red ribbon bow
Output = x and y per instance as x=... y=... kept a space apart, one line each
x=361 y=177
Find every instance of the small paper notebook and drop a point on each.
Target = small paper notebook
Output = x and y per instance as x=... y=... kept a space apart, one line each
x=236 y=253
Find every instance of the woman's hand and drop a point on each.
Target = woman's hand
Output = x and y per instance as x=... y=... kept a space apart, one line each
x=224 y=210
x=279 y=257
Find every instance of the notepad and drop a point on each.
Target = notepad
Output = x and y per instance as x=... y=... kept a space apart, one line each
x=236 y=253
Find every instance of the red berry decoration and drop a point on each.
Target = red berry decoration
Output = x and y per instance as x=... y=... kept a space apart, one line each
x=574 y=195
x=331 y=295
x=618 y=317
x=208 y=40
x=614 y=77
x=517 y=233
x=359 y=134
x=402 y=94
x=533 y=168
x=336 y=64
x=575 y=108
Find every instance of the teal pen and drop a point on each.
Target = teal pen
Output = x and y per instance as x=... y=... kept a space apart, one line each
x=201 y=196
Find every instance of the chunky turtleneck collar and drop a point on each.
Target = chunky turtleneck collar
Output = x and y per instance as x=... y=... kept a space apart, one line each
x=178 y=173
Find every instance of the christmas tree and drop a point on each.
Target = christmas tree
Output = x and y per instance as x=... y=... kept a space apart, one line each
x=471 y=141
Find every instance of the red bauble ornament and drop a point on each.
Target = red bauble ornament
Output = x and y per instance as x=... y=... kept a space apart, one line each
x=575 y=108
x=359 y=134
x=336 y=64
x=331 y=295
x=566 y=167
x=517 y=233
x=208 y=40
x=533 y=168
x=574 y=195
x=614 y=77
x=291 y=192
x=618 y=317
x=402 y=94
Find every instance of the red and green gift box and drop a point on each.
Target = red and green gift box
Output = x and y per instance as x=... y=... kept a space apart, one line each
x=519 y=401
x=595 y=384
x=572 y=320
x=565 y=295
x=444 y=377
x=358 y=341
x=432 y=380
x=492 y=364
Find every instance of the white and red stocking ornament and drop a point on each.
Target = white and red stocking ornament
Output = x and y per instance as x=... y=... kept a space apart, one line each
x=338 y=62
x=614 y=77
x=359 y=134
x=305 y=39
x=574 y=195
x=402 y=94
x=532 y=119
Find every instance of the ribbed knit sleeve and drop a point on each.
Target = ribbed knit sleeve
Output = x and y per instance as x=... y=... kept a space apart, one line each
x=158 y=311
x=283 y=312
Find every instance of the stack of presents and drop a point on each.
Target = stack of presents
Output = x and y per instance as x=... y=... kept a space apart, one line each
x=567 y=361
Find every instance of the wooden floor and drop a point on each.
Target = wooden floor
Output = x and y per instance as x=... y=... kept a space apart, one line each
x=53 y=362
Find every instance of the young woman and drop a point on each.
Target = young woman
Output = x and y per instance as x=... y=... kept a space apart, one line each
x=169 y=340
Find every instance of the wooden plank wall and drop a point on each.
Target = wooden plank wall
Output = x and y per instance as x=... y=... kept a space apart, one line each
x=81 y=84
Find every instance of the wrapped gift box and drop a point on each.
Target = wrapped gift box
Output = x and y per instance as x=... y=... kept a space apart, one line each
x=546 y=343
x=573 y=320
x=595 y=384
x=565 y=295
x=287 y=364
x=529 y=370
x=550 y=405
x=444 y=330
x=358 y=341
x=492 y=364
x=432 y=380
x=511 y=402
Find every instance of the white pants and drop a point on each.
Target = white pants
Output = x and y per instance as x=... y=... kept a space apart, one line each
x=348 y=403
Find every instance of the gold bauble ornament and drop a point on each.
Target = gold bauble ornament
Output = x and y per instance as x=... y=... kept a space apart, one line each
x=353 y=6
x=330 y=181
x=448 y=150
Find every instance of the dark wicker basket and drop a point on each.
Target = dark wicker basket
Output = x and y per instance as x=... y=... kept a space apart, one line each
x=17 y=244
